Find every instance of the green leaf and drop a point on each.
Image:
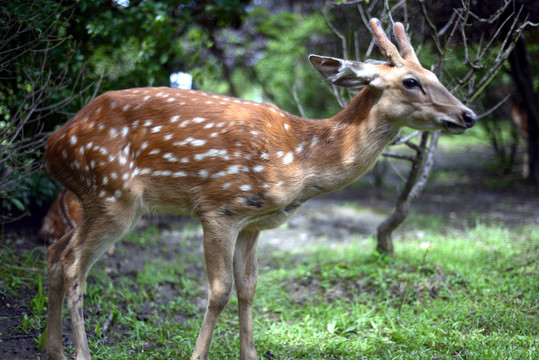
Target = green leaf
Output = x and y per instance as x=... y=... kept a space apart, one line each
x=18 y=204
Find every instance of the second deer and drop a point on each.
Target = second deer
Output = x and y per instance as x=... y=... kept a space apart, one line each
x=239 y=166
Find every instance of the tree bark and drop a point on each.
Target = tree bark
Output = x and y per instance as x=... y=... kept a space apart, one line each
x=520 y=71
x=415 y=182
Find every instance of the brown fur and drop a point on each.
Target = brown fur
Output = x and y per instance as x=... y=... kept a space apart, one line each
x=63 y=215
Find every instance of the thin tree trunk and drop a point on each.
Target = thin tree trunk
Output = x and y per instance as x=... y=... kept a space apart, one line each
x=520 y=71
x=415 y=182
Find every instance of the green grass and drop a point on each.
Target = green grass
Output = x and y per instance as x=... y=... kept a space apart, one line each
x=447 y=295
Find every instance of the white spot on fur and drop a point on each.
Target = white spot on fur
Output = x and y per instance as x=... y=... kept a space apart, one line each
x=203 y=174
x=218 y=175
x=105 y=180
x=73 y=139
x=288 y=158
x=113 y=132
x=154 y=151
x=245 y=187
x=174 y=118
x=233 y=169
x=210 y=153
x=113 y=175
x=198 y=120
x=299 y=148
x=179 y=174
x=168 y=137
x=185 y=160
x=286 y=126
x=258 y=168
x=157 y=129
x=147 y=123
x=198 y=142
x=226 y=186
x=279 y=154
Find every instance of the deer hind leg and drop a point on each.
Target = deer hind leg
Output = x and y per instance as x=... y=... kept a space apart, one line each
x=245 y=277
x=69 y=266
x=219 y=240
x=54 y=346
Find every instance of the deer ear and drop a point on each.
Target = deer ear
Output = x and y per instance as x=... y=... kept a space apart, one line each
x=345 y=73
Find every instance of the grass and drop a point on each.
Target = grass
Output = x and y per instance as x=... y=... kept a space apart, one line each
x=446 y=295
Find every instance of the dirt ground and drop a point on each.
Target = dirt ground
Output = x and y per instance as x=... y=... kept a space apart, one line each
x=466 y=194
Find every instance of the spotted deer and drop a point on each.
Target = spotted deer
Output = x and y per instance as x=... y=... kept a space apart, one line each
x=64 y=215
x=239 y=166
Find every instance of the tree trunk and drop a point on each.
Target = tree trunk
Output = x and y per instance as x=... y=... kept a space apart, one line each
x=520 y=71
x=415 y=182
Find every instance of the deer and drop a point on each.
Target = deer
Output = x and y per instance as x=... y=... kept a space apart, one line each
x=239 y=166
x=64 y=215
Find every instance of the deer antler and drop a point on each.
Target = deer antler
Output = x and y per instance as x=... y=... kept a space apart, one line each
x=386 y=46
x=407 y=51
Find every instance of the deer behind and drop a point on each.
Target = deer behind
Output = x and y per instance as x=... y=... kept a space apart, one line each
x=239 y=166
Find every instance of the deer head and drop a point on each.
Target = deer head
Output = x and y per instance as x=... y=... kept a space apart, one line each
x=406 y=93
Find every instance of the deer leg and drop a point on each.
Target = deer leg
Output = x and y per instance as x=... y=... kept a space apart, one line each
x=245 y=277
x=218 y=244
x=74 y=285
x=69 y=263
x=54 y=346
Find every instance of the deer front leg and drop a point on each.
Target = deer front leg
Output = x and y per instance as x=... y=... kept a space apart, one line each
x=218 y=253
x=245 y=277
x=74 y=291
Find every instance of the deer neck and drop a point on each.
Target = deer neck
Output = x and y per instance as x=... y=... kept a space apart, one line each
x=348 y=144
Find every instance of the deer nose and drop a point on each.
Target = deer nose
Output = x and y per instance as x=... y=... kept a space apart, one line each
x=469 y=118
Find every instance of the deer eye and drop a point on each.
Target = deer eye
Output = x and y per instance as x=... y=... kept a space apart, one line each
x=410 y=83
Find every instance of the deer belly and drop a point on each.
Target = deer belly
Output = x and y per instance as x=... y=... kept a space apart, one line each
x=273 y=219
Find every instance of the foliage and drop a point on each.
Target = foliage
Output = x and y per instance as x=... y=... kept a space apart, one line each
x=143 y=43
x=37 y=63
x=290 y=38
